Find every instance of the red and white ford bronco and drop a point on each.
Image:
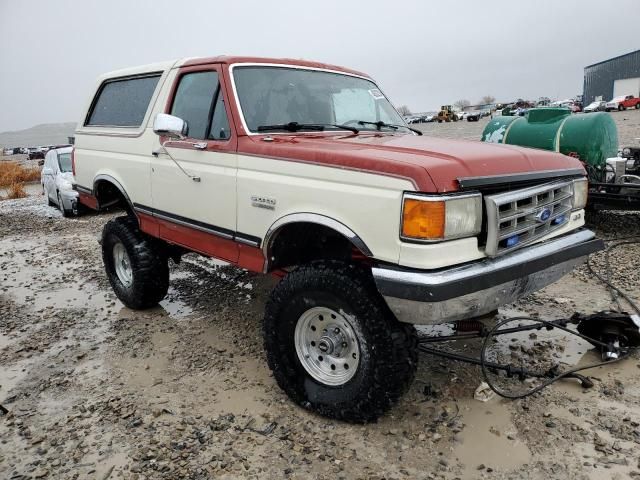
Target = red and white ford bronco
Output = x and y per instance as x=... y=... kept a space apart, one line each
x=306 y=170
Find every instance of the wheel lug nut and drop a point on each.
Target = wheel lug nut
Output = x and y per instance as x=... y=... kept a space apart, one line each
x=344 y=344
x=336 y=330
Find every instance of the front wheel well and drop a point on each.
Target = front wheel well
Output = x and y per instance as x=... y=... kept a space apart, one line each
x=303 y=242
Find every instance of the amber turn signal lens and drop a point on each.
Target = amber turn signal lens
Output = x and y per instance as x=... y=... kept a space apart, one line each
x=423 y=220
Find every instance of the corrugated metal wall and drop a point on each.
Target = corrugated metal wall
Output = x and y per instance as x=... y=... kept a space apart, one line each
x=599 y=77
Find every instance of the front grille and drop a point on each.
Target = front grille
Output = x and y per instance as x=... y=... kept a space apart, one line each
x=520 y=217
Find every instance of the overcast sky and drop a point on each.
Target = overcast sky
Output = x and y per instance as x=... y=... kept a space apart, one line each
x=422 y=53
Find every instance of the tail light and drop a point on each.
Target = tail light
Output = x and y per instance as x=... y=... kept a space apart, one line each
x=73 y=161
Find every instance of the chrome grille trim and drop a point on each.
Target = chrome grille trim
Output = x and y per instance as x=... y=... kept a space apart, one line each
x=522 y=212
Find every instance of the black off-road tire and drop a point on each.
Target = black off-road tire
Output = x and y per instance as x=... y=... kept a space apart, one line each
x=620 y=108
x=388 y=348
x=149 y=264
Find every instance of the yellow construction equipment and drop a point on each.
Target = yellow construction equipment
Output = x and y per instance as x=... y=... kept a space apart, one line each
x=446 y=114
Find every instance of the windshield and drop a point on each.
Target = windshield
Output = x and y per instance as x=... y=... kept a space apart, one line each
x=64 y=161
x=280 y=95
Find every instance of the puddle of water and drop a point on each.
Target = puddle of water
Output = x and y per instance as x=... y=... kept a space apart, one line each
x=176 y=309
x=485 y=438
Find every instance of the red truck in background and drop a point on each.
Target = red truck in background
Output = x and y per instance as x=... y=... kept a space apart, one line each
x=623 y=102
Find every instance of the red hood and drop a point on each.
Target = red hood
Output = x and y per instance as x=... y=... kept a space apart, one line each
x=432 y=164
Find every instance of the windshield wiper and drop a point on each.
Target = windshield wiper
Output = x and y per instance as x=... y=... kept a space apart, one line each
x=379 y=124
x=296 y=127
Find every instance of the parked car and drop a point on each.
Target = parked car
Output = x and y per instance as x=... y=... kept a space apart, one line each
x=34 y=153
x=630 y=101
x=597 y=106
x=623 y=102
x=57 y=181
x=7 y=151
x=306 y=171
x=474 y=116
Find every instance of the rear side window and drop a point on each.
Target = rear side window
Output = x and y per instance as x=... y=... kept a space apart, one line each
x=198 y=101
x=64 y=162
x=123 y=102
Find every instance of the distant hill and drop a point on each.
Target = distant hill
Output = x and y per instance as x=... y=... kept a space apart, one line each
x=45 y=134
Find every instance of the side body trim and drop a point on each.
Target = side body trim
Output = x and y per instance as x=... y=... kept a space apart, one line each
x=195 y=224
x=201 y=241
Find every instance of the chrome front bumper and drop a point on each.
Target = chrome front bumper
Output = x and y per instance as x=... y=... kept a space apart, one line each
x=477 y=288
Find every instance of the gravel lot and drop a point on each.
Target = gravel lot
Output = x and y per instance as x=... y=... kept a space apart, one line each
x=95 y=390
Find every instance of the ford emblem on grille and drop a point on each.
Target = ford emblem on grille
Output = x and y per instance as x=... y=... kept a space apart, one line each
x=543 y=215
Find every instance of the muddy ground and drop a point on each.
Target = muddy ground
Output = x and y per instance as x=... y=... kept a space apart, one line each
x=95 y=390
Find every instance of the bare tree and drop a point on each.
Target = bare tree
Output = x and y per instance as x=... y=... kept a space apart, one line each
x=487 y=99
x=404 y=110
x=462 y=104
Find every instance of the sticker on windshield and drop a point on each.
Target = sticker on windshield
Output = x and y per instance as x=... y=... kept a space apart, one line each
x=375 y=93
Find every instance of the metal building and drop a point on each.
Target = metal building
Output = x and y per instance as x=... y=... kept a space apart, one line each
x=613 y=77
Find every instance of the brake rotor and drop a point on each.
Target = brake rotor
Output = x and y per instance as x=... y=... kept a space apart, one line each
x=618 y=330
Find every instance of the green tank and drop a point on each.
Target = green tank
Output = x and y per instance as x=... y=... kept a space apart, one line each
x=591 y=137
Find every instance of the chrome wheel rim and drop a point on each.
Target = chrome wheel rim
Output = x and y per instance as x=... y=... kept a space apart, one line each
x=122 y=264
x=327 y=346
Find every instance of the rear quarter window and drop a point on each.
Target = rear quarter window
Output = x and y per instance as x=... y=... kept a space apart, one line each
x=122 y=102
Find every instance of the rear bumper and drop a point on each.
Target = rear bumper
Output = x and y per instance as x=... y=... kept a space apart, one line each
x=477 y=288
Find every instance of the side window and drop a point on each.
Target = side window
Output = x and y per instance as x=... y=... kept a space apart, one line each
x=193 y=100
x=122 y=102
x=198 y=101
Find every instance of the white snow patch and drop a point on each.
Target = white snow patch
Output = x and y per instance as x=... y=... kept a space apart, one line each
x=35 y=205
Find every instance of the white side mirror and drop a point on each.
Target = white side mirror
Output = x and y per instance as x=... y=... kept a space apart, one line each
x=170 y=126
